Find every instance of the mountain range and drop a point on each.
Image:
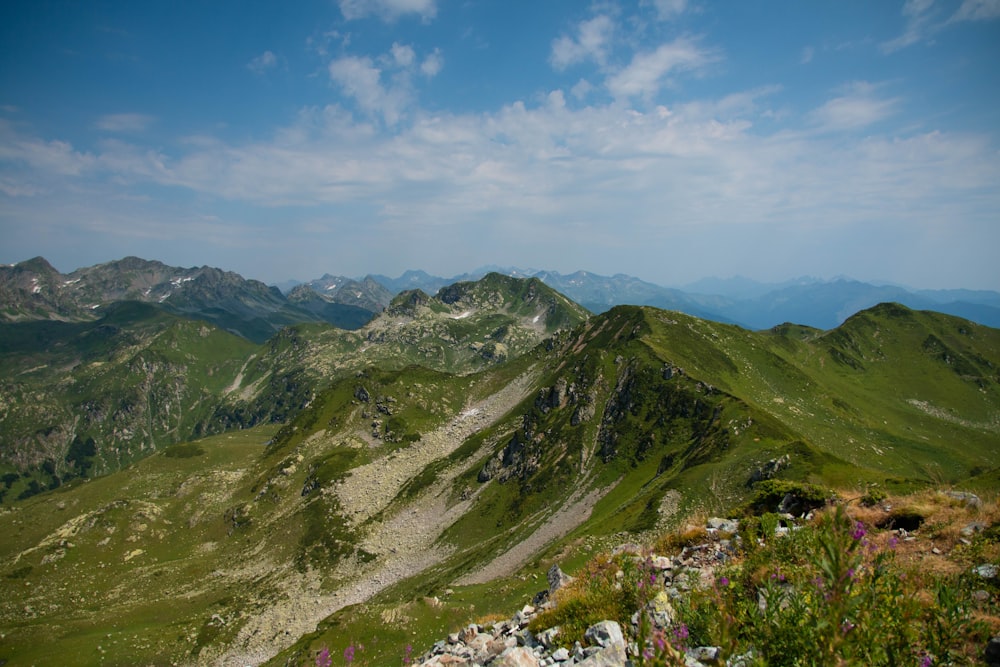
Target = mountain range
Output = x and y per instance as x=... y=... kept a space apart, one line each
x=176 y=493
x=35 y=290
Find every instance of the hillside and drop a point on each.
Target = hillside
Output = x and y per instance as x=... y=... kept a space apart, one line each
x=419 y=490
x=85 y=398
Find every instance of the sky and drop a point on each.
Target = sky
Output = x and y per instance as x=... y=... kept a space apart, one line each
x=669 y=140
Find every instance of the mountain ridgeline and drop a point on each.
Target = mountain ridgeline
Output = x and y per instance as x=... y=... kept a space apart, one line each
x=431 y=463
x=86 y=396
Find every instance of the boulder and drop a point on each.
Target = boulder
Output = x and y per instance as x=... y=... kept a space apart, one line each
x=992 y=654
x=557 y=578
x=605 y=634
x=516 y=657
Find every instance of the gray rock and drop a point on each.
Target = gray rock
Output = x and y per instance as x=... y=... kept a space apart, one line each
x=557 y=578
x=547 y=638
x=605 y=634
x=971 y=500
x=704 y=653
x=986 y=571
x=723 y=525
x=516 y=657
x=561 y=654
x=972 y=528
x=609 y=656
x=992 y=653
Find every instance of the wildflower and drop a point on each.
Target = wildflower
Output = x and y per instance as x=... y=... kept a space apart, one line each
x=859 y=531
x=681 y=632
x=893 y=542
x=349 y=654
x=926 y=661
x=723 y=581
x=323 y=658
x=846 y=627
x=409 y=655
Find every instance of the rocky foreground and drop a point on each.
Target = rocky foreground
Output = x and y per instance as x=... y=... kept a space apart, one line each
x=511 y=643
x=524 y=641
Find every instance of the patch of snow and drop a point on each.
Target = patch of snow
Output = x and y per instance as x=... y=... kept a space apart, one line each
x=37 y=288
x=334 y=286
x=177 y=282
x=535 y=319
x=95 y=306
x=71 y=282
x=164 y=297
x=462 y=316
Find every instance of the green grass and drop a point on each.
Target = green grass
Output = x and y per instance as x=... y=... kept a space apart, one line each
x=917 y=406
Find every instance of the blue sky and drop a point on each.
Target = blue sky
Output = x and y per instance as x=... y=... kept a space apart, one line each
x=666 y=139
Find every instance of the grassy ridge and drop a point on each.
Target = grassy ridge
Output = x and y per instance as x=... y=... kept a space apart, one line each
x=664 y=414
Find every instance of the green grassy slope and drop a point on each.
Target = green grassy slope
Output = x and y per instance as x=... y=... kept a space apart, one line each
x=628 y=422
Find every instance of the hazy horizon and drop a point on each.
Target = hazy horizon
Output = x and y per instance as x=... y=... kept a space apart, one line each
x=670 y=140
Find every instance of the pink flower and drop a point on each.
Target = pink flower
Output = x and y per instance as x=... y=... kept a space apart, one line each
x=323 y=658
x=349 y=654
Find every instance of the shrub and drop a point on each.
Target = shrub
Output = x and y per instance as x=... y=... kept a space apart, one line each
x=826 y=595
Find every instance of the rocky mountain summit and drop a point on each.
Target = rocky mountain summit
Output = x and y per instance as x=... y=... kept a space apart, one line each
x=34 y=290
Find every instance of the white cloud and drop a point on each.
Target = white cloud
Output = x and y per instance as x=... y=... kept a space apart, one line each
x=922 y=20
x=700 y=172
x=387 y=10
x=263 y=62
x=977 y=10
x=808 y=53
x=581 y=89
x=668 y=9
x=403 y=54
x=857 y=108
x=648 y=71
x=361 y=80
x=124 y=122
x=432 y=64
x=384 y=86
x=592 y=42
x=918 y=17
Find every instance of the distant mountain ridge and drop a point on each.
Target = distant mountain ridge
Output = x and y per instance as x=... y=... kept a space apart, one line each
x=34 y=290
x=748 y=303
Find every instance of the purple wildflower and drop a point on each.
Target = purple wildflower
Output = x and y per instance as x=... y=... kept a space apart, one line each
x=859 y=531
x=926 y=661
x=723 y=581
x=893 y=542
x=349 y=654
x=681 y=632
x=323 y=658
